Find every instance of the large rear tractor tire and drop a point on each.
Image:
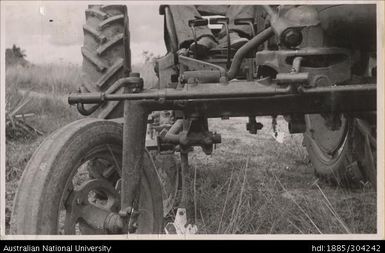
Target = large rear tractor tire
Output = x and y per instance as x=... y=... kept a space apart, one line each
x=57 y=190
x=105 y=53
x=345 y=156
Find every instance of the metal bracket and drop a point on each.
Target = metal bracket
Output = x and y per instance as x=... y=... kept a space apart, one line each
x=196 y=67
x=180 y=226
x=253 y=126
x=195 y=133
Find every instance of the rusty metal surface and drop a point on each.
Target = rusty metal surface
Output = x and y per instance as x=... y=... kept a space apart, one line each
x=323 y=99
x=134 y=135
x=194 y=64
x=195 y=133
x=330 y=63
x=218 y=91
x=93 y=216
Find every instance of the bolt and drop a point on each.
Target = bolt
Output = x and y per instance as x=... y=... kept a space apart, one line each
x=292 y=38
x=223 y=80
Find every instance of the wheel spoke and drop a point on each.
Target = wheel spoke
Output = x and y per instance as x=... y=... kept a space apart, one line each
x=117 y=167
x=109 y=171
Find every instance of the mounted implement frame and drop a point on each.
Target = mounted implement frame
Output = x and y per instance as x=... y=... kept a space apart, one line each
x=305 y=83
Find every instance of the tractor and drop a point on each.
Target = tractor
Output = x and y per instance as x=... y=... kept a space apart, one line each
x=123 y=168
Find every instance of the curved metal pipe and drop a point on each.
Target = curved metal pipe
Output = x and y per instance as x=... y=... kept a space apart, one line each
x=87 y=112
x=117 y=85
x=172 y=135
x=250 y=45
x=112 y=89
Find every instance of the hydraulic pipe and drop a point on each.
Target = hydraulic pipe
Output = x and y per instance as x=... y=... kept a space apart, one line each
x=172 y=134
x=242 y=52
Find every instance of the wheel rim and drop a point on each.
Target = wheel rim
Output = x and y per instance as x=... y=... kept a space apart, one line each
x=326 y=143
x=94 y=187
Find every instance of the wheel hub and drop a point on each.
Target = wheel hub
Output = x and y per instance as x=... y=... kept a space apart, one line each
x=92 y=209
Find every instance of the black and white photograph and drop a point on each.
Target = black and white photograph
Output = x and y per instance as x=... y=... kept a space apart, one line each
x=221 y=119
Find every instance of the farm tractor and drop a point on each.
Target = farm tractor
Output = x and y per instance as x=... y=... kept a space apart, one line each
x=124 y=168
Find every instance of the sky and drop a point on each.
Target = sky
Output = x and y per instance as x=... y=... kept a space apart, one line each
x=27 y=24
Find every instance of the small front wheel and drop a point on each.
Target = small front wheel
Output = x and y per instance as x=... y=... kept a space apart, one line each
x=71 y=185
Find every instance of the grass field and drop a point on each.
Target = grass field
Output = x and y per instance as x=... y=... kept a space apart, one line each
x=251 y=183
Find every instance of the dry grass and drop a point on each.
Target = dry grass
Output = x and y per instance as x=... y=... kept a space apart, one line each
x=251 y=184
x=50 y=109
x=54 y=79
x=255 y=185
